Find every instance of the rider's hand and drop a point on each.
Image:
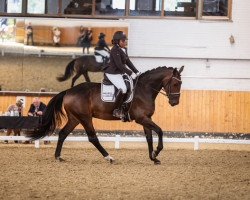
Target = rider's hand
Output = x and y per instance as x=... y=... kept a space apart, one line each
x=138 y=74
x=134 y=76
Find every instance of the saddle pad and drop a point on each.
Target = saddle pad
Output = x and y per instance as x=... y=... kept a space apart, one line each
x=108 y=93
x=98 y=59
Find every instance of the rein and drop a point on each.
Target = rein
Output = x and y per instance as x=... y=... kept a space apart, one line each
x=169 y=88
x=158 y=91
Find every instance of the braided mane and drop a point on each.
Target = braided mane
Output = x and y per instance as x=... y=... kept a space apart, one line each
x=153 y=71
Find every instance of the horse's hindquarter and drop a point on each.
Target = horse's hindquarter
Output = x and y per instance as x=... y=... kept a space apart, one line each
x=88 y=63
x=76 y=100
x=84 y=100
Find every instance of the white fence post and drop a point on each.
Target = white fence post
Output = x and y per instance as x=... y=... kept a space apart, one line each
x=117 y=141
x=196 y=143
x=37 y=144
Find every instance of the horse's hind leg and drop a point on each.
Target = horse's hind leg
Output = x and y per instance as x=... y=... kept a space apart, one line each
x=74 y=79
x=86 y=76
x=64 y=132
x=88 y=126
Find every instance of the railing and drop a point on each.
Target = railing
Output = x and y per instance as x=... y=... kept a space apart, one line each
x=118 y=139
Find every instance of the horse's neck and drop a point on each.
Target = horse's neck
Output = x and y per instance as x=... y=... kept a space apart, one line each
x=152 y=86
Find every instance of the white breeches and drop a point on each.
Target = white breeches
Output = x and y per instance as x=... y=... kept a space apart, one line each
x=118 y=82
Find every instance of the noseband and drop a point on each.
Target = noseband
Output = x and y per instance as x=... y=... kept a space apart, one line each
x=168 y=92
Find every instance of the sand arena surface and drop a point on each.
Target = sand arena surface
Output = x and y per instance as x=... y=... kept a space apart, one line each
x=29 y=173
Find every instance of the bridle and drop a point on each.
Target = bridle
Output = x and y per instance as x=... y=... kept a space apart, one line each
x=168 y=85
x=167 y=93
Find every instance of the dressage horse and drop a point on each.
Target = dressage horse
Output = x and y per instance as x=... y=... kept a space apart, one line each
x=81 y=66
x=83 y=102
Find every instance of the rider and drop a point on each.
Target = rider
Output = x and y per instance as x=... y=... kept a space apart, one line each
x=102 y=48
x=116 y=68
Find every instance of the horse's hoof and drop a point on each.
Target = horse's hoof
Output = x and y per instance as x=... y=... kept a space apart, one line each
x=110 y=159
x=60 y=159
x=157 y=162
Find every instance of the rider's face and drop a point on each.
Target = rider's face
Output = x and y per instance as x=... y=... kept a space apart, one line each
x=122 y=43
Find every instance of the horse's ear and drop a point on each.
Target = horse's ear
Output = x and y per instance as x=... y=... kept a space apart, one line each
x=181 y=69
x=175 y=71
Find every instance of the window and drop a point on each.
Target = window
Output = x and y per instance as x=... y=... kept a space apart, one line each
x=52 y=7
x=14 y=6
x=145 y=7
x=36 y=7
x=184 y=8
x=77 y=7
x=215 y=8
x=193 y=9
x=110 y=7
x=2 y=6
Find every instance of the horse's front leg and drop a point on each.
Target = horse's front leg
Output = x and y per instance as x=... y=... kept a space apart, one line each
x=149 y=125
x=148 y=134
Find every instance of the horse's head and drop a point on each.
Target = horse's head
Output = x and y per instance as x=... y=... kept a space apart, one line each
x=172 y=86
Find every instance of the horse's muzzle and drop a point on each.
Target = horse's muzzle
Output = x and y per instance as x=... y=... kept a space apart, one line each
x=174 y=103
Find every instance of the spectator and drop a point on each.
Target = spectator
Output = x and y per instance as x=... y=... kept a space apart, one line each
x=17 y=110
x=86 y=41
x=81 y=36
x=36 y=109
x=29 y=33
x=56 y=36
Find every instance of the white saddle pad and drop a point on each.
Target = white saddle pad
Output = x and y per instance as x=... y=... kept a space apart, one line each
x=98 y=59
x=108 y=91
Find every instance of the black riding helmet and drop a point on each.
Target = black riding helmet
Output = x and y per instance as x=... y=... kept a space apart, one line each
x=119 y=35
x=102 y=35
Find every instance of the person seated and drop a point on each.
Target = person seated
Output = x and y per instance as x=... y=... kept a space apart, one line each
x=16 y=110
x=118 y=65
x=36 y=108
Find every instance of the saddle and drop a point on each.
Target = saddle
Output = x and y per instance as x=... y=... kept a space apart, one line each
x=109 y=93
x=101 y=58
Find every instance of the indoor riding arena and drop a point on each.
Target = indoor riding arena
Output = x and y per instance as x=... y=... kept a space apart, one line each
x=189 y=104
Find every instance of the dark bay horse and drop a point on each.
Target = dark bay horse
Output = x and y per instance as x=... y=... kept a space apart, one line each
x=80 y=66
x=83 y=102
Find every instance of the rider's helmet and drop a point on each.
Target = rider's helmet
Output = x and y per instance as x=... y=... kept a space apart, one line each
x=102 y=35
x=119 y=35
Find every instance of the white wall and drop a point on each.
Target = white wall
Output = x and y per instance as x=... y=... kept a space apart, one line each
x=172 y=42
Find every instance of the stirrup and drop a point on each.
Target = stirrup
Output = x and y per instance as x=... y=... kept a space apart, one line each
x=118 y=113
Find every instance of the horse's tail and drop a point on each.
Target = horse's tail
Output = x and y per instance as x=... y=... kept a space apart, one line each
x=68 y=72
x=51 y=118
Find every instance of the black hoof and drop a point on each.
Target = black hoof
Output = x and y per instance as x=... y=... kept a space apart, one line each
x=112 y=161
x=60 y=159
x=157 y=162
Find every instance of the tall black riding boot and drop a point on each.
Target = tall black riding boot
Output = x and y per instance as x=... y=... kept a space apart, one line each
x=118 y=112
